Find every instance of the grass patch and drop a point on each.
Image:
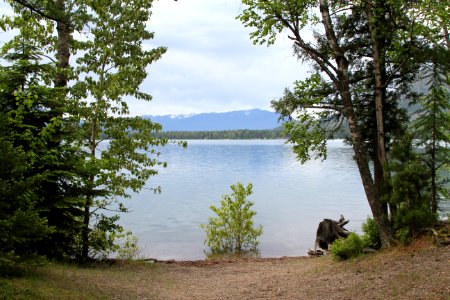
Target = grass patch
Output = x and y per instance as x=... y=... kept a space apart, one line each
x=45 y=285
x=65 y=281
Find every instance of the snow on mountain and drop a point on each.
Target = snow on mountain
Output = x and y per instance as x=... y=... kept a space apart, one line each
x=254 y=119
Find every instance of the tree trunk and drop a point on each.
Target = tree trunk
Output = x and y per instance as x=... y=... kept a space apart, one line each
x=90 y=192
x=343 y=86
x=434 y=200
x=63 y=46
x=376 y=20
x=85 y=231
x=378 y=180
x=376 y=206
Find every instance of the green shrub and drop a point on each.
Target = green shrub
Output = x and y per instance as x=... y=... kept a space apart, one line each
x=129 y=248
x=403 y=235
x=350 y=247
x=12 y=265
x=371 y=236
x=232 y=230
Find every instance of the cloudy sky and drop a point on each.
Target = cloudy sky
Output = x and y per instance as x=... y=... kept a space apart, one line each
x=211 y=64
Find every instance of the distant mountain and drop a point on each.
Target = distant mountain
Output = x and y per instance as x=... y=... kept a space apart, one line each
x=254 y=119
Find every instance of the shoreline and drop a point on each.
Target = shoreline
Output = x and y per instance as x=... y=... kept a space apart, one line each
x=417 y=271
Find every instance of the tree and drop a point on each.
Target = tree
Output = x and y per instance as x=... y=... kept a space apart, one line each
x=410 y=190
x=27 y=164
x=348 y=36
x=112 y=67
x=232 y=230
x=20 y=222
x=59 y=190
x=431 y=127
x=362 y=58
x=432 y=131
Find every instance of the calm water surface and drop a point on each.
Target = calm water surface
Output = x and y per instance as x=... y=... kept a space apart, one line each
x=290 y=198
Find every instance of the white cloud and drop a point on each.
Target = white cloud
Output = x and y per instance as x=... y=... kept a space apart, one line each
x=211 y=64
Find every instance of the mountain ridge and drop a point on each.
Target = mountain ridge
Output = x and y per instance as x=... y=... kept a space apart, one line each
x=252 y=119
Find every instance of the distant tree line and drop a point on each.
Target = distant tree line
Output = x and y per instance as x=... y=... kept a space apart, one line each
x=241 y=134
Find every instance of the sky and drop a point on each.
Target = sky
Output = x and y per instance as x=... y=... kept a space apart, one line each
x=211 y=64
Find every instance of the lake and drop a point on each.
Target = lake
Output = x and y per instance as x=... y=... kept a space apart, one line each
x=290 y=199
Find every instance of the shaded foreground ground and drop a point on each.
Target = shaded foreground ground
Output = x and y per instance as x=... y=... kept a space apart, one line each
x=419 y=271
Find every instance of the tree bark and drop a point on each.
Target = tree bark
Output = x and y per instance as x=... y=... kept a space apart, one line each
x=338 y=72
x=89 y=193
x=376 y=20
x=357 y=141
x=373 y=198
x=63 y=46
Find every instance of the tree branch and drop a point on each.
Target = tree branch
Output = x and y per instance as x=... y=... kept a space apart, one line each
x=41 y=12
x=332 y=107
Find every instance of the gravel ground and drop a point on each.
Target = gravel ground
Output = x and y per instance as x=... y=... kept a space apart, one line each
x=417 y=271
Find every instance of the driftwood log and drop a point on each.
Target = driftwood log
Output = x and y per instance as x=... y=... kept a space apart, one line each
x=327 y=232
x=441 y=237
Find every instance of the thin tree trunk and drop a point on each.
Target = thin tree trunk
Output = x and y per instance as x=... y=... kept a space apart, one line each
x=434 y=200
x=375 y=204
x=376 y=20
x=89 y=194
x=378 y=180
x=85 y=231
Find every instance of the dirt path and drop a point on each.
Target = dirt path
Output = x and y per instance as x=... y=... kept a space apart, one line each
x=420 y=274
x=419 y=271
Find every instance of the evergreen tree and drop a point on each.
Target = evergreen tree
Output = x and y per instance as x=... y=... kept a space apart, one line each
x=410 y=190
x=58 y=191
x=27 y=131
x=432 y=128
x=72 y=122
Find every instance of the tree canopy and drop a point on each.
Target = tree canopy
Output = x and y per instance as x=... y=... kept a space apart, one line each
x=365 y=56
x=55 y=114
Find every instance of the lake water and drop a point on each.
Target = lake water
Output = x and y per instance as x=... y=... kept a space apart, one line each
x=290 y=199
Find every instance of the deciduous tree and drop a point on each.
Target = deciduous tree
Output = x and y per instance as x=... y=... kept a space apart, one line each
x=113 y=67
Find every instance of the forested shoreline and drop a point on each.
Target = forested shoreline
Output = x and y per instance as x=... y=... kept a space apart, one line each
x=222 y=134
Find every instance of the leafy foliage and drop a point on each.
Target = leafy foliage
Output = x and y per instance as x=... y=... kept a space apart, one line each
x=53 y=133
x=114 y=66
x=351 y=247
x=371 y=236
x=129 y=249
x=232 y=230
